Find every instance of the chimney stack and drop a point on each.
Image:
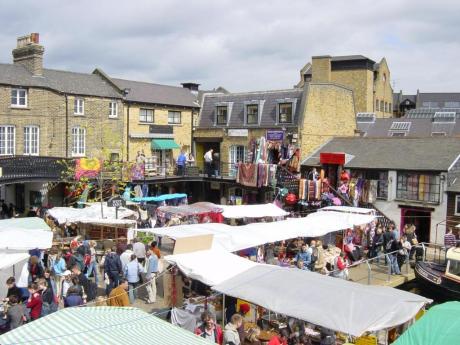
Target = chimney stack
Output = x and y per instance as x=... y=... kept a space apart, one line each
x=193 y=87
x=29 y=53
x=321 y=68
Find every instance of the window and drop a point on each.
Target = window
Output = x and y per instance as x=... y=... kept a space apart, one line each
x=31 y=140
x=400 y=126
x=419 y=187
x=19 y=98
x=386 y=107
x=382 y=106
x=430 y=104
x=377 y=103
x=146 y=115
x=390 y=109
x=114 y=157
x=380 y=176
x=285 y=113
x=457 y=205
x=113 y=109
x=452 y=105
x=252 y=114
x=237 y=154
x=7 y=140
x=174 y=117
x=454 y=267
x=78 y=141
x=365 y=117
x=221 y=118
x=79 y=106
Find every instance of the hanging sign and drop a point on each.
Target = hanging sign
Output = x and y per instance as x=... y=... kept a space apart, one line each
x=275 y=135
x=237 y=132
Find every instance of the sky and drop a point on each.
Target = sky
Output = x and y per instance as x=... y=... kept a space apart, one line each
x=242 y=45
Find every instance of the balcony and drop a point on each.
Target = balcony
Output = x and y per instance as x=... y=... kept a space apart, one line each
x=15 y=169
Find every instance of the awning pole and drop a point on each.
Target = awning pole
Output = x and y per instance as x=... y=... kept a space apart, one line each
x=223 y=311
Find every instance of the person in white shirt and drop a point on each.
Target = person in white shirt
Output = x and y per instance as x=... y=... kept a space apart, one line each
x=125 y=257
x=139 y=250
x=208 y=162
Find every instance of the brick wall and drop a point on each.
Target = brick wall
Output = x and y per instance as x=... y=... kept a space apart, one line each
x=383 y=90
x=361 y=82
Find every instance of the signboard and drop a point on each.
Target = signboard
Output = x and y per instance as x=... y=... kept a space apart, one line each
x=238 y=133
x=116 y=201
x=336 y=158
x=275 y=135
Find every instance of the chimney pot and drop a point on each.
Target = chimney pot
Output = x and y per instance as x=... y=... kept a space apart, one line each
x=29 y=53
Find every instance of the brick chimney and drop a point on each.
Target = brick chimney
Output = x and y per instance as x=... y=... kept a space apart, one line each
x=321 y=68
x=29 y=53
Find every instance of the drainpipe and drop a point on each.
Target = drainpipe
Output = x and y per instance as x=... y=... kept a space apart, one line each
x=127 y=135
x=191 y=134
x=66 y=126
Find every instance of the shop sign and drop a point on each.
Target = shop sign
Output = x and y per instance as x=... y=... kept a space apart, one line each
x=116 y=201
x=275 y=135
x=237 y=132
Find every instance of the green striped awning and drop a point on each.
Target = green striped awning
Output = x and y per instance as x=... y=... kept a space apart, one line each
x=100 y=325
x=164 y=144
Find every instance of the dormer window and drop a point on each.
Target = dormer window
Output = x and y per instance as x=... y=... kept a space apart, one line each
x=285 y=113
x=252 y=114
x=221 y=115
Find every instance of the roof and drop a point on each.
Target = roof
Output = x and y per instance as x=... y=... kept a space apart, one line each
x=439 y=97
x=419 y=127
x=429 y=112
x=440 y=325
x=143 y=92
x=60 y=81
x=349 y=58
x=100 y=325
x=268 y=118
x=454 y=185
x=419 y=154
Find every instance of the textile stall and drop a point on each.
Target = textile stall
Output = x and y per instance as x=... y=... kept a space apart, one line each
x=362 y=191
x=200 y=212
x=256 y=174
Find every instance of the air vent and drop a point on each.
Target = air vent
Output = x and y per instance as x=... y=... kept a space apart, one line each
x=365 y=117
x=444 y=117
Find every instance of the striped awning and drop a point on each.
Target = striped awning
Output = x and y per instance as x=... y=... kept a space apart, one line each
x=100 y=325
x=164 y=144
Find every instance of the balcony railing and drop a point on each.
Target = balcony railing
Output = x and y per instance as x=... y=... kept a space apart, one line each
x=30 y=168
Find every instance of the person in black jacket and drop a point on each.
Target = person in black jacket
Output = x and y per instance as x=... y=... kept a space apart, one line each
x=13 y=290
x=113 y=269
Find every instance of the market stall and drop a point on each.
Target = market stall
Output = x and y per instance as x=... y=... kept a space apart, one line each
x=99 y=325
x=253 y=211
x=200 y=212
x=324 y=301
x=22 y=234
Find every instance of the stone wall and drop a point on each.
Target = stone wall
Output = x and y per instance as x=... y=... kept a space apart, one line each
x=361 y=82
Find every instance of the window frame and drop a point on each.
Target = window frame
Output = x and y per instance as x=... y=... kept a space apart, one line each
x=77 y=140
x=17 y=104
x=28 y=140
x=219 y=115
x=377 y=105
x=406 y=191
x=174 y=113
x=146 y=117
x=252 y=106
x=76 y=106
x=457 y=205
x=281 y=104
x=113 y=114
x=6 y=140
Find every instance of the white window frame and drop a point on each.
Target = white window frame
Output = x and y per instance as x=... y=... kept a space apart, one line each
x=233 y=157
x=78 y=142
x=280 y=105
x=8 y=150
x=252 y=105
x=174 y=114
x=18 y=98
x=457 y=204
x=113 y=109
x=146 y=121
x=31 y=144
x=79 y=106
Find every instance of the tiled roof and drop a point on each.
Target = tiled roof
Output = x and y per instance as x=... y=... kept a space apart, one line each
x=427 y=154
x=61 y=81
x=143 y=92
x=270 y=100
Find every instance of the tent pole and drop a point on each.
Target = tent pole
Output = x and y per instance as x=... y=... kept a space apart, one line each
x=223 y=311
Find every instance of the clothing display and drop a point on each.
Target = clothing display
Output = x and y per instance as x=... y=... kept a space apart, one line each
x=247 y=174
x=311 y=190
x=361 y=190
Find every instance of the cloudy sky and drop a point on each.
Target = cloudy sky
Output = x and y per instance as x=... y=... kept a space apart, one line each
x=240 y=44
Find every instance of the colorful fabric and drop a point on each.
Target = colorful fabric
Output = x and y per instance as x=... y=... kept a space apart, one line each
x=85 y=167
x=137 y=171
x=247 y=174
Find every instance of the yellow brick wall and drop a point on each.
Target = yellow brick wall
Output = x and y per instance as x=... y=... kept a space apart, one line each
x=329 y=112
x=361 y=82
x=321 y=69
x=383 y=89
x=182 y=132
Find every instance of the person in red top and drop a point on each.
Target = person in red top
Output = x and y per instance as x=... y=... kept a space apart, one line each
x=209 y=329
x=340 y=267
x=280 y=339
x=34 y=303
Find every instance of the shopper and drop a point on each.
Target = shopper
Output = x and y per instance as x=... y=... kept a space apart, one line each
x=34 y=303
x=132 y=273
x=151 y=271
x=208 y=162
x=209 y=330
x=119 y=297
x=231 y=336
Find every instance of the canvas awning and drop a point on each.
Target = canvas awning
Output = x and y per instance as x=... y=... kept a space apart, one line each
x=210 y=267
x=164 y=144
x=253 y=211
x=329 y=302
x=160 y=198
x=440 y=325
x=192 y=209
x=100 y=325
x=10 y=259
x=23 y=234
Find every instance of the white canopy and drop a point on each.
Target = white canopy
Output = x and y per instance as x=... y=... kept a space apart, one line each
x=8 y=260
x=234 y=238
x=23 y=234
x=253 y=211
x=349 y=209
x=322 y=300
x=90 y=214
x=210 y=266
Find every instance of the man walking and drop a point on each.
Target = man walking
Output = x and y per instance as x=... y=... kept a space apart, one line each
x=118 y=297
x=139 y=250
x=181 y=160
x=113 y=269
x=208 y=162
x=151 y=271
x=132 y=273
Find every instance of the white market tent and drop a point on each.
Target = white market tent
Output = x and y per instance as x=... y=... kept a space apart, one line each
x=100 y=325
x=349 y=209
x=22 y=234
x=8 y=260
x=210 y=267
x=92 y=214
x=253 y=211
x=234 y=238
x=329 y=302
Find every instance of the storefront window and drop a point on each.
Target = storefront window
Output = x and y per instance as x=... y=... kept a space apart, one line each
x=419 y=187
x=380 y=176
x=237 y=154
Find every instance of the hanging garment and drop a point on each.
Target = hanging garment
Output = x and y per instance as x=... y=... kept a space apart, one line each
x=247 y=174
x=318 y=189
x=311 y=190
x=372 y=191
x=261 y=174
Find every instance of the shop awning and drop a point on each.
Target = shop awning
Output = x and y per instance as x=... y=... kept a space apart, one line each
x=100 y=325
x=322 y=300
x=253 y=211
x=25 y=234
x=164 y=144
